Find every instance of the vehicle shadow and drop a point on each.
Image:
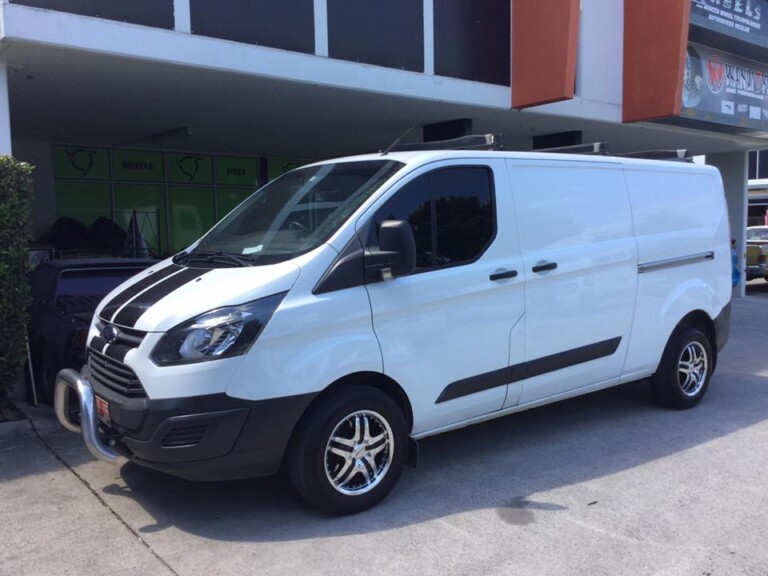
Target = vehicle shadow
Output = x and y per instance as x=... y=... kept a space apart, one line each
x=499 y=465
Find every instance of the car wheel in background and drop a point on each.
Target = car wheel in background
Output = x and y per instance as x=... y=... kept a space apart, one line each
x=45 y=375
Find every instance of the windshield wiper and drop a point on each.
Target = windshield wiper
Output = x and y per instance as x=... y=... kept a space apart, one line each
x=217 y=257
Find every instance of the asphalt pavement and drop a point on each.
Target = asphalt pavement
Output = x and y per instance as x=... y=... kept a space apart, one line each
x=604 y=484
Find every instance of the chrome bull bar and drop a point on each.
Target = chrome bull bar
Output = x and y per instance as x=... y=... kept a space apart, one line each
x=89 y=424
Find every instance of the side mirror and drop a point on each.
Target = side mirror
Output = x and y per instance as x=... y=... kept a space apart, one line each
x=396 y=255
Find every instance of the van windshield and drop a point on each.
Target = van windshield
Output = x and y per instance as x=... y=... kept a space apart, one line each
x=291 y=215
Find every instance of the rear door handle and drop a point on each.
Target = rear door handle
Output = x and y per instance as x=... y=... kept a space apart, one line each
x=503 y=275
x=544 y=266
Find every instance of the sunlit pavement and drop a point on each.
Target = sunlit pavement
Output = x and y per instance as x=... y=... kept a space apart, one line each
x=603 y=484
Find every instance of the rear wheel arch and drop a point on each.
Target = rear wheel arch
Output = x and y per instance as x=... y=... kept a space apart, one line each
x=687 y=363
x=701 y=320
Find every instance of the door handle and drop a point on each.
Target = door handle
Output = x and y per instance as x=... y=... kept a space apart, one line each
x=544 y=266
x=503 y=275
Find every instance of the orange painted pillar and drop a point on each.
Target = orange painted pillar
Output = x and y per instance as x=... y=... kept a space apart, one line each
x=655 y=43
x=544 y=40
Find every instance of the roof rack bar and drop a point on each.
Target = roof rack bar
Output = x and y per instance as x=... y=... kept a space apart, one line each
x=472 y=142
x=680 y=155
x=595 y=148
x=495 y=141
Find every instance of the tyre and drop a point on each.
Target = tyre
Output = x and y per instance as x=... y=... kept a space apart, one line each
x=45 y=376
x=685 y=369
x=348 y=451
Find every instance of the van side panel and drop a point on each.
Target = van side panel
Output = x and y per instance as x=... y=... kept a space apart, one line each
x=575 y=214
x=681 y=225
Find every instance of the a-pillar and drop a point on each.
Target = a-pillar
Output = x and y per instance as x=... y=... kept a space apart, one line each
x=733 y=168
x=5 y=111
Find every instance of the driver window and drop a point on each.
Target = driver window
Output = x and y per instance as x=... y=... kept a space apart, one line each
x=451 y=212
x=412 y=204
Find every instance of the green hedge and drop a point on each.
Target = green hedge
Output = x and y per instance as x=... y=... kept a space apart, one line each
x=15 y=197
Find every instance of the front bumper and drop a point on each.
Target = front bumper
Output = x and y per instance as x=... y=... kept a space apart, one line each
x=211 y=437
x=88 y=424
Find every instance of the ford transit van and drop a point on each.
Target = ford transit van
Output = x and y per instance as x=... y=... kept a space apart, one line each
x=352 y=307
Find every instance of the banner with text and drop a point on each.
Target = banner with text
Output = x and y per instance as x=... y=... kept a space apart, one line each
x=747 y=19
x=725 y=89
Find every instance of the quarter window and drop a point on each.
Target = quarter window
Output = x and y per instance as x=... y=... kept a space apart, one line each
x=451 y=212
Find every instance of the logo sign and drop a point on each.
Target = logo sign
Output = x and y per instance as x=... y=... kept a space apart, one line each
x=81 y=160
x=80 y=163
x=189 y=165
x=110 y=333
x=188 y=168
x=715 y=74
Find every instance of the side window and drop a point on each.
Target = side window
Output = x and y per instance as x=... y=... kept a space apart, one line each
x=412 y=204
x=454 y=203
x=463 y=200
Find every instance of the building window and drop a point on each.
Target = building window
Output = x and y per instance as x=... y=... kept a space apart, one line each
x=288 y=24
x=156 y=13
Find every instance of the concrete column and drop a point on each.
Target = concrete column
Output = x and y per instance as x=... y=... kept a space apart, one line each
x=429 y=37
x=181 y=16
x=5 y=111
x=321 y=27
x=733 y=167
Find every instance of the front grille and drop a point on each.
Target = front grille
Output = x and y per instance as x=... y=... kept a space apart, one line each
x=184 y=436
x=128 y=337
x=114 y=375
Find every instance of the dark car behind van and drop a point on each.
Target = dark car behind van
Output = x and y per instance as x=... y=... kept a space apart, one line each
x=65 y=294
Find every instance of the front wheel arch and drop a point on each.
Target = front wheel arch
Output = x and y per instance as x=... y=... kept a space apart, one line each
x=375 y=380
x=348 y=450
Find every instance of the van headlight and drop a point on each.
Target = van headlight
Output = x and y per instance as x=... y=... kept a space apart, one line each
x=220 y=333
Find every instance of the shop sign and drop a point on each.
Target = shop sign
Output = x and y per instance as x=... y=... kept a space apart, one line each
x=234 y=171
x=735 y=17
x=138 y=166
x=725 y=89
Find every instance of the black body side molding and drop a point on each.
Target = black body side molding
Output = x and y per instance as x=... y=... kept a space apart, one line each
x=528 y=369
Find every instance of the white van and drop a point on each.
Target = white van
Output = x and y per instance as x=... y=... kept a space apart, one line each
x=352 y=307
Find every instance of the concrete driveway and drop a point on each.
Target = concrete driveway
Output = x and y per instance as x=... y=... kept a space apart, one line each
x=603 y=484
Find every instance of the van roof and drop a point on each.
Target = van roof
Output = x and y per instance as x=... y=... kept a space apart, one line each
x=428 y=156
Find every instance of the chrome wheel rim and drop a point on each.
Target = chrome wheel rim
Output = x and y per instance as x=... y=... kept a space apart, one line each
x=692 y=368
x=358 y=453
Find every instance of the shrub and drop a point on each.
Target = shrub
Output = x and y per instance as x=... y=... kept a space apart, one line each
x=15 y=196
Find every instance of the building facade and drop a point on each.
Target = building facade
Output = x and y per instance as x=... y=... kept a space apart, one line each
x=177 y=109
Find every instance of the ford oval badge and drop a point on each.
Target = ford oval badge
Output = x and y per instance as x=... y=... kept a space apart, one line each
x=110 y=333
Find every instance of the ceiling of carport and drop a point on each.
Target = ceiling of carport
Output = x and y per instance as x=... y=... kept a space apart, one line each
x=76 y=97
